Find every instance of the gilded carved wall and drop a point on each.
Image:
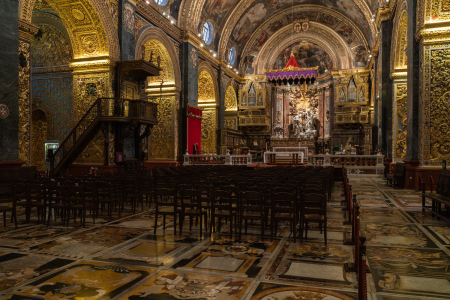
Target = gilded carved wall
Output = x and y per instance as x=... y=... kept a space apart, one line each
x=87 y=89
x=39 y=135
x=230 y=99
x=50 y=48
x=161 y=138
x=207 y=101
x=24 y=101
x=401 y=120
x=439 y=105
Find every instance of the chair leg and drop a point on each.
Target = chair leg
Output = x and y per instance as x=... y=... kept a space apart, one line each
x=325 y=232
x=175 y=224
x=4 y=218
x=156 y=222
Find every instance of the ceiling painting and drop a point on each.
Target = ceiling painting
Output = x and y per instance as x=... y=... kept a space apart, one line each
x=307 y=54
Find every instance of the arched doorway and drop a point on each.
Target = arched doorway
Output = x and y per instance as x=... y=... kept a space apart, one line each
x=207 y=101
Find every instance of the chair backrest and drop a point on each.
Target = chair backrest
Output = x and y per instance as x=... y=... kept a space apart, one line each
x=314 y=203
x=251 y=201
x=222 y=200
x=166 y=197
x=443 y=187
x=8 y=194
x=191 y=198
x=283 y=202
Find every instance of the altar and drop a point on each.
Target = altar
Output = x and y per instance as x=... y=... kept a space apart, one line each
x=286 y=155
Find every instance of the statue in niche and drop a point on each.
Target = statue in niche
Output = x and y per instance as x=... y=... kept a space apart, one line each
x=151 y=57
x=143 y=52
x=159 y=61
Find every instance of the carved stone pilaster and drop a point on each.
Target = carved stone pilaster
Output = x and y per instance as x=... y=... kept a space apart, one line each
x=26 y=33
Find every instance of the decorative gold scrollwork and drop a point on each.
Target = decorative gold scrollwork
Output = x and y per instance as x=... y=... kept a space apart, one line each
x=402 y=116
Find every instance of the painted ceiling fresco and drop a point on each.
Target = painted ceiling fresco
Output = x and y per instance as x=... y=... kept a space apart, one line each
x=307 y=54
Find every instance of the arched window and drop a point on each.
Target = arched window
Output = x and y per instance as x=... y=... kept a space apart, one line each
x=232 y=56
x=161 y=2
x=208 y=32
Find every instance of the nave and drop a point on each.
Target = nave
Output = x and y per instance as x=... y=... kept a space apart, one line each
x=121 y=257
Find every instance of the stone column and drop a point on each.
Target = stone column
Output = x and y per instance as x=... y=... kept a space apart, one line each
x=9 y=80
x=413 y=83
x=386 y=87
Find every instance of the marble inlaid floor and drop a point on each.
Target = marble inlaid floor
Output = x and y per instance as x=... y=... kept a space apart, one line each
x=121 y=257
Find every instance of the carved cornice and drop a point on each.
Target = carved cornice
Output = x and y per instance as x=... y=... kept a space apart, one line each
x=152 y=16
x=385 y=12
x=399 y=75
x=27 y=31
x=52 y=69
x=93 y=64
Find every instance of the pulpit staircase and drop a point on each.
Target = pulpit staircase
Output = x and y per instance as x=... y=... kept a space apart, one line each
x=104 y=111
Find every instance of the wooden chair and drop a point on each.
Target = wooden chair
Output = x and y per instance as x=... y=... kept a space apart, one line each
x=78 y=203
x=57 y=202
x=8 y=203
x=130 y=192
x=251 y=207
x=191 y=206
x=166 y=201
x=222 y=208
x=36 y=199
x=398 y=177
x=284 y=207
x=313 y=210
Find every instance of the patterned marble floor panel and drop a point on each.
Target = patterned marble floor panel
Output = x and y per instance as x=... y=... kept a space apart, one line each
x=175 y=285
x=311 y=263
x=86 y=280
x=86 y=243
x=268 y=291
x=32 y=235
x=16 y=268
x=242 y=257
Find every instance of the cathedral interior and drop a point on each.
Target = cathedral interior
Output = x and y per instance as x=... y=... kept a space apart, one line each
x=303 y=142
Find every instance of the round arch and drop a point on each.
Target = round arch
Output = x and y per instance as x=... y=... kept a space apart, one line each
x=206 y=67
x=230 y=98
x=399 y=39
x=157 y=35
x=242 y=7
x=90 y=26
x=340 y=53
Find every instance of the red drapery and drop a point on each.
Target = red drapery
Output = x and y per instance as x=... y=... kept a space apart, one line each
x=194 y=129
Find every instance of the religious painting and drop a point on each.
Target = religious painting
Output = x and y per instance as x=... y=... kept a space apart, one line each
x=249 y=69
x=50 y=47
x=328 y=20
x=361 y=56
x=347 y=33
x=175 y=8
x=252 y=19
x=275 y=26
x=308 y=55
x=218 y=10
x=256 y=14
x=260 y=41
